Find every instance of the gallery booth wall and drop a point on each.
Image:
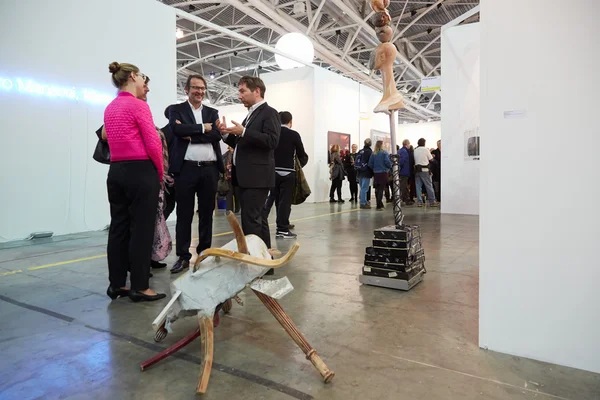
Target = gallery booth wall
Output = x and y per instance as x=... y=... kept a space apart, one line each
x=460 y=119
x=539 y=219
x=49 y=180
x=430 y=131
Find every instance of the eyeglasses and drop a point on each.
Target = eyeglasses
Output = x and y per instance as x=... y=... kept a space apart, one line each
x=200 y=88
x=141 y=76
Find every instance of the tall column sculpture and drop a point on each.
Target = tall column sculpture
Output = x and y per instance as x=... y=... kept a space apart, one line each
x=383 y=60
x=396 y=259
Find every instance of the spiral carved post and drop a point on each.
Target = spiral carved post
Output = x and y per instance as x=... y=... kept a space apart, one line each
x=398 y=215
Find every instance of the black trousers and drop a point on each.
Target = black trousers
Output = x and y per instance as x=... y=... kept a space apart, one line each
x=437 y=188
x=254 y=220
x=353 y=184
x=283 y=193
x=169 y=201
x=133 y=188
x=233 y=198
x=413 y=187
x=380 y=182
x=389 y=191
x=336 y=185
x=201 y=182
x=404 y=194
x=272 y=199
x=379 y=188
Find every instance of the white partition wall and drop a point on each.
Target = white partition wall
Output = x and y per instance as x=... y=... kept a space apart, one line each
x=460 y=119
x=540 y=223
x=54 y=85
x=430 y=131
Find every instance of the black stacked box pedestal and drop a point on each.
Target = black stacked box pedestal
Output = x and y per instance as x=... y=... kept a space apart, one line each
x=396 y=254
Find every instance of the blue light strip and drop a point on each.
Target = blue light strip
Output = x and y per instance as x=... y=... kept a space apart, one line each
x=31 y=87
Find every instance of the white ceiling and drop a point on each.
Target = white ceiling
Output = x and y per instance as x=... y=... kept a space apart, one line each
x=340 y=29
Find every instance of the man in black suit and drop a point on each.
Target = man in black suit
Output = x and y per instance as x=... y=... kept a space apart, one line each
x=195 y=163
x=290 y=146
x=253 y=160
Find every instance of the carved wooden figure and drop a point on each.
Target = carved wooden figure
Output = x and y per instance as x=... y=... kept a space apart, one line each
x=379 y=5
x=383 y=58
x=385 y=54
x=218 y=276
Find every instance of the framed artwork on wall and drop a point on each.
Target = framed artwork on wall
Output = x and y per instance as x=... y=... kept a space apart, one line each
x=472 y=144
x=342 y=139
x=385 y=136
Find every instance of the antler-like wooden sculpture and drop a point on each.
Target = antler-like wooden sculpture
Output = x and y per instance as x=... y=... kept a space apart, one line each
x=383 y=57
x=217 y=276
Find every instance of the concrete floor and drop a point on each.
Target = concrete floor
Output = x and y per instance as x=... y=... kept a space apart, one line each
x=62 y=337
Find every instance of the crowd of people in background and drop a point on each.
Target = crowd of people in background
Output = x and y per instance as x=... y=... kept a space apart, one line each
x=419 y=170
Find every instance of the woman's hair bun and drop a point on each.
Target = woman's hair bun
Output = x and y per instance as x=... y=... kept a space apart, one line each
x=114 y=67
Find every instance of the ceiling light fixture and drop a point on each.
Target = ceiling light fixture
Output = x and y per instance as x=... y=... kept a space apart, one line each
x=297 y=45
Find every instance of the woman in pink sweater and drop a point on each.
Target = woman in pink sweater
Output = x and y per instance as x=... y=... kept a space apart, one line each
x=134 y=179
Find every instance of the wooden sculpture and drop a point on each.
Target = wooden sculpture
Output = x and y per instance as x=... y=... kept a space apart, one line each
x=217 y=276
x=383 y=58
x=380 y=5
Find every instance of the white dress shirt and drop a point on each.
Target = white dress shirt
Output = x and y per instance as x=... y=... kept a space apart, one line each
x=250 y=111
x=199 y=151
x=422 y=156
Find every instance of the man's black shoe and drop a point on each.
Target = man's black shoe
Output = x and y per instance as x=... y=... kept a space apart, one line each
x=179 y=266
x=285 y=235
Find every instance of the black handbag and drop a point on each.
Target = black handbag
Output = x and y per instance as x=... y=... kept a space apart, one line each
x=222 y=185
x=101 y=152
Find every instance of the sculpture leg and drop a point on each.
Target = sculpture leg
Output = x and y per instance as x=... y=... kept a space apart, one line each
x=167 y=352
x=289 y=326
x=206 y=330
x=227 y=306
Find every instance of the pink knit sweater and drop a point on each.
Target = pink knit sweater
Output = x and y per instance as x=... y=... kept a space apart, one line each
x=131 y=132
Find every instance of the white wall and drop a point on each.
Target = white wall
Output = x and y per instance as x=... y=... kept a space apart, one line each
x=49 y=179
x=234 y=112
x=369 y=98
x=430 y=131
x=540 y=224
x=460 y=114
x=337 y=108
x=293 y=91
